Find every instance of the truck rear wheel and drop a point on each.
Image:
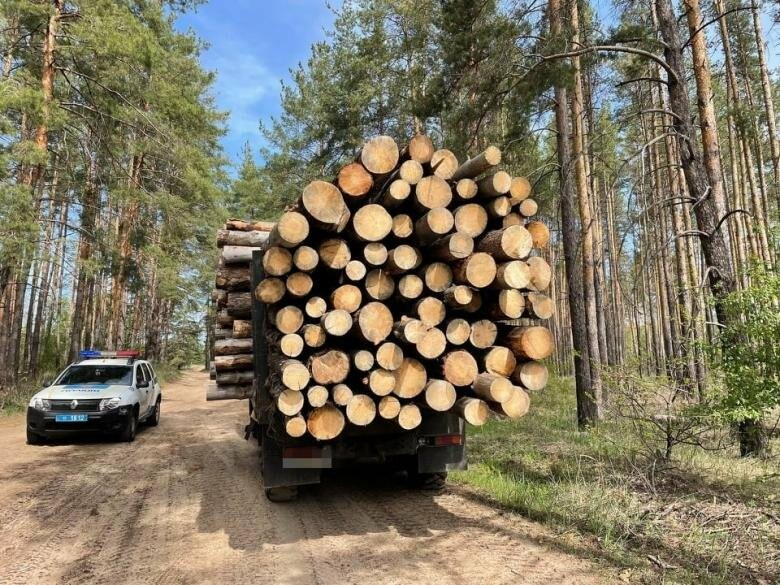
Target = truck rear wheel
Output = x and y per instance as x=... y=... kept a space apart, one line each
x=282 y=494
x=429 y=482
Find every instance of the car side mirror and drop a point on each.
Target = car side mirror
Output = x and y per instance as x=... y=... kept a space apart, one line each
x=47 y=383
x=143 y=384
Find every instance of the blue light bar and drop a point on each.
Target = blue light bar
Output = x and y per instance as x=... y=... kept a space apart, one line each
x=90 y=353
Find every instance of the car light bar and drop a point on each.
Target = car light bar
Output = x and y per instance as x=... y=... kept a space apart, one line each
x=95 y=353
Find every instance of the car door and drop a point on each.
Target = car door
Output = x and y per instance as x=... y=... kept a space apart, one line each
x=155 y=383
x=141 y=379
x=152 y=384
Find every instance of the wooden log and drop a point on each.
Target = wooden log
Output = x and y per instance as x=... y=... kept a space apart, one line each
x=291 y=345
x=288 y=319
x=354 y=181
x=375 y=253
x=379 y=285
x=471 y=219
x=444 y=164
x=516 y=407
x=346 y=297
x=513 y=275
x=520 y=190
x=539 y=306
x=239 y=304
x=242 y=329
x=420 y=149
x=508 y=304
x=224 y=320
x=511 y=219
x=458 y=296
x=277 y=261
x=270 y=290
x=410 y=286
x=450 y=248
x=249 y=226
x=361 y=410
x=228 y=392
x=314 y=335
x=381 y=382
x=528 y=208
x=335 y=253
x=212 y=371
x=251 y=239
x=512 y=243
x=329 y=367
x=494 y=185
x=232 y=278
x=315 y=307
x=363 y=360
x=432 y=344
x=500 y=361
x=396 y=192
x=440 y=395
x=305 y=258
x=432 y=192
x=295 y=426
x=409 y=330
x=341 y=394
x=219 y=297
x=535 y=343
x=433 y=225
x=374 y=322
x=466 y=189
x=323 y=203
x=372 y=223
x=411 y=171
x=389 y=407
x=325 y=423
x=483 y=333
x=410 y=378
x=540 y=233
x=355 y=270
x=459 y=368
x=541 y=273
x=473 y=410
x=229 y=363
x=317 y=395
x=437 y=276
x=223 y=333
x=294 y=375
x=232 y=346
x=237 y=378
x=379 y=155
x=402 y=259
x=481 y=163
x=403 y=226
x=299 y=284
x=237 y=254
x=477 y=270
x=291 y=229
x=337 y=322
x=531 y=375
x=458 y=331
x=430 y=311
x=409 y=417
x=498 y=207
x=389 y=356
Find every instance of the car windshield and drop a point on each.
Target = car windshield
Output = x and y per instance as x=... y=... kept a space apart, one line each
x=121 y=375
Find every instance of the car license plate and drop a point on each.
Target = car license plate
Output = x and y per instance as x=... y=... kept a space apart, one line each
x=71 y=418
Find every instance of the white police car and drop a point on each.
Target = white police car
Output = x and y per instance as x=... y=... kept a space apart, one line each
x=104 y=391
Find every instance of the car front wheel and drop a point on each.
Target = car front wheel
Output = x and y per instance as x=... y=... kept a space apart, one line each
x=127 y=434
x=154 y=417
x=34 y=438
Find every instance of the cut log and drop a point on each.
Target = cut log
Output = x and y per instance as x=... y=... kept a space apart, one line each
x=481 y=163
x=341 y=394
x=237 y=254
x=541 y=273
x=466 y=189
x=228 y=392
x=224 y=320
x=329 y=367
x=291 y=345
x=379 y=155
x=389 y=356
x=361 y=410
x=337 y=322
x=223 y=333
x=430 y=311
x=228 y=363
x=509 y=304
x=295 y=426
x=241 y=238
x=409 y=330
x=299 y=284
x=288 y=319
x=432 y=344
x=363 y=360
x=403 y=226
x=452 y=247
x=335 y=253
x=459 y=368
x=528 y=208
x=410 y=171
x=458 y=296
x=379 y=285
x=409 y=417
x=389 y=407
x=314 y=335
x=395 y=194
x=347 y=297
x=355 y=270
x=323 y=203
x=483 y=333
x=317 y=396
x=371 y=223
x=540 y=233
x=355 y=181
x=375 y=253
x=410 y=378
x=249 y=226
x=513 y=275
x=494 y=185
x=535 y=343
x=539 y=306
x=295 y=376
x=478 y=270
x=420 y=148
x=438 y=276
x=444 y=164
x=498 y=207
x=291 y=229
x=325 y=423
x=471 y=219
x=520 y=190
x=410 y=286
x=516 y=407
x=473 y=410
x=440 y=395
x=277 y=261
x=232 y=278
x=270 y=290
x=432 y=192
x=402 y=259
x=236 y=378
x=433 y=225
x=512 y=243
x=315 y=307
x=305 y=258
x=239 y=304
x=475 y=304
x=381 y=382
x=531 y=375
x=511 y=219
x=500 y=361
x=458 y=331
x=374 y=322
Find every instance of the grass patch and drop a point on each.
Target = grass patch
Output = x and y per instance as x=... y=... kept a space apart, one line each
x=709 y=517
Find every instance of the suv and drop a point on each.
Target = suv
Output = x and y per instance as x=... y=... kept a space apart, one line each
x=104 y=391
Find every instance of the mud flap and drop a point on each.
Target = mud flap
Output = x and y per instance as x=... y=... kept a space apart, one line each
x=276 y=475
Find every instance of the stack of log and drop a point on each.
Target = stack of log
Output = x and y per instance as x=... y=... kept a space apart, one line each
x=233 y=367
x=411 y=283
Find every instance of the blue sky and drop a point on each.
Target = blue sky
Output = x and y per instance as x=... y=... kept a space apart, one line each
x=253 y=45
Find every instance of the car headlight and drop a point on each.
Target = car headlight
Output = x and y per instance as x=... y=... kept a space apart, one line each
x=41 y=404
x=109 y=403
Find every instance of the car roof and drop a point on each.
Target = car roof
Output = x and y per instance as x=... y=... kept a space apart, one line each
x=107 y=362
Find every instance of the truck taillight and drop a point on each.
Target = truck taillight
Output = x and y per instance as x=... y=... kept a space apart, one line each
x=443 y=440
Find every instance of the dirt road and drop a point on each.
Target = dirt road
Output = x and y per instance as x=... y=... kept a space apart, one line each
x=184 y=504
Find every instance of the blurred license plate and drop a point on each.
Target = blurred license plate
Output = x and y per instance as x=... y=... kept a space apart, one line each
x=71 y=418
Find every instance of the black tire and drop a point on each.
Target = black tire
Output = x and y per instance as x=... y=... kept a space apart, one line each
x=34 y=438
x=282 y=494
x=433 y=483
x=154 y=416
x=127 y=434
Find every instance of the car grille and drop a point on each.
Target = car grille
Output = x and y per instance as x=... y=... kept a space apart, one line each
x=84 y=405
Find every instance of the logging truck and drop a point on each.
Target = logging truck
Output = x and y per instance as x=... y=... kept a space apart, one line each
x=426 y=452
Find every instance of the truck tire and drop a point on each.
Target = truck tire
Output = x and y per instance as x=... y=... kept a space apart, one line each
x=127 y=434
x=282 y=494
x=34 y=438
x=433 y=483
x=154 y=416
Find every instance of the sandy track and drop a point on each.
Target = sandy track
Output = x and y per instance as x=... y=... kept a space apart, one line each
x=184 y=504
